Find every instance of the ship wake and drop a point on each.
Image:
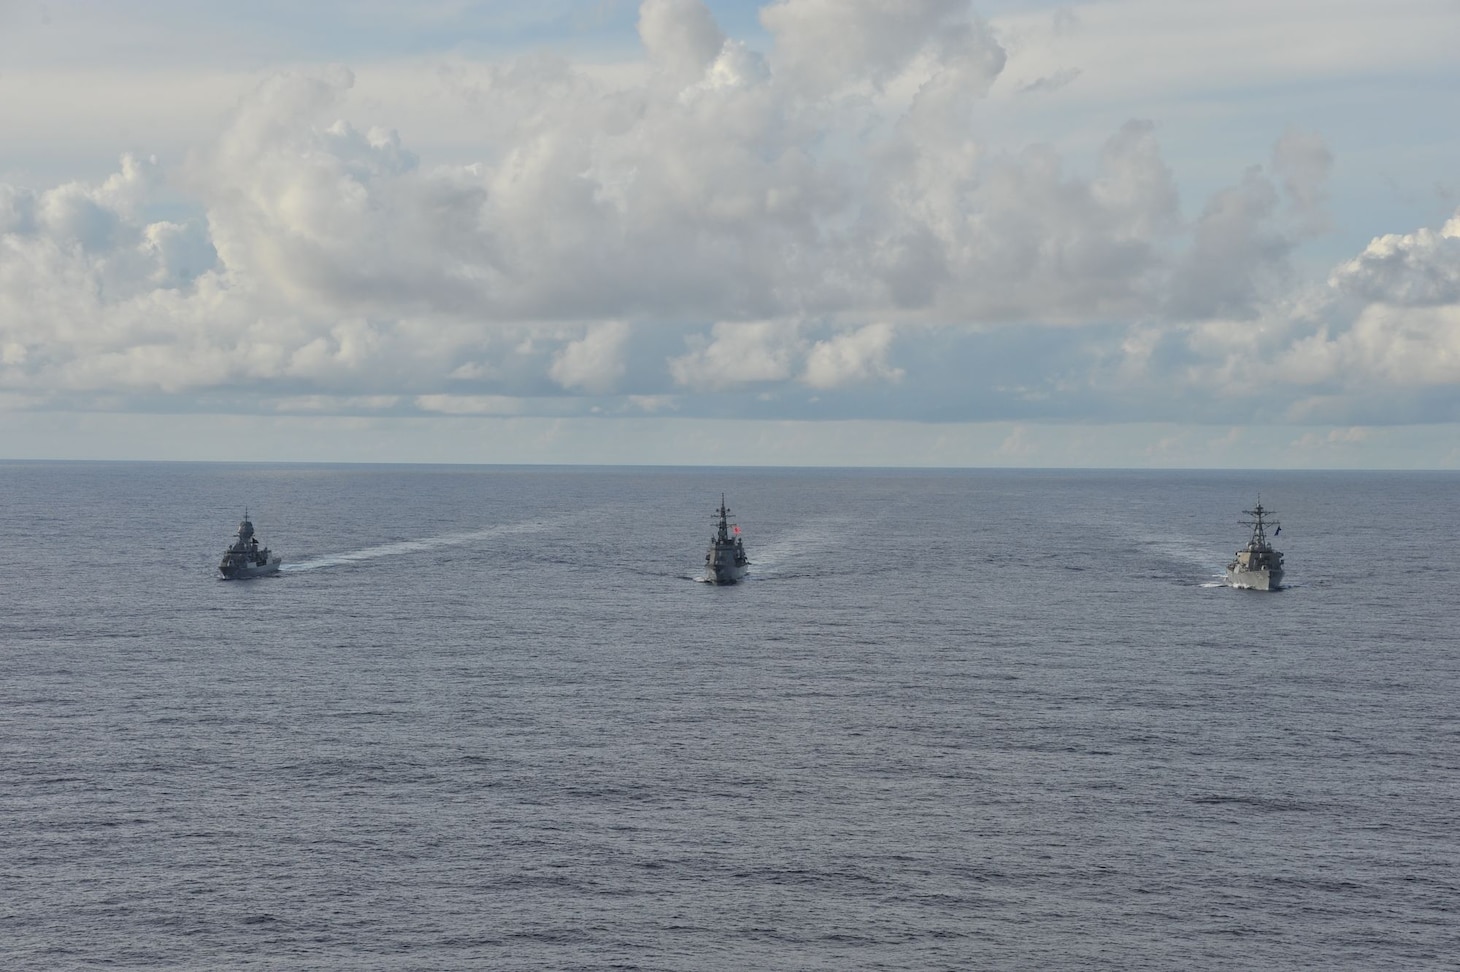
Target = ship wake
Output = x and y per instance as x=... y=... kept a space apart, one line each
x=421 y=545
x=798 y=549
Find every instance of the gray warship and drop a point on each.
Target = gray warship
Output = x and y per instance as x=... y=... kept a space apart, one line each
x=1258 y=567
x=725 y=562
x=245 y=558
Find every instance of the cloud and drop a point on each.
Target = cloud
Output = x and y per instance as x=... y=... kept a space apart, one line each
x=1238 y=253
x=1050 y=82
x=1420 y=269
x=91 y=294
x=1017 y=445
x=338 y=217
x=1389 y=327
x=593 y=363
x=1133 y=49
x=715 y=229
x=827 y=45
x=762 y=352
x=852 y=358
x=653 y=404
x=336 y=404
x=1333 y=441
x=97 y=227
x=469 y=404
x=1304 y=162
x=1378 y=343
x=1017 y=236
x=680 y=37
x=740 y=354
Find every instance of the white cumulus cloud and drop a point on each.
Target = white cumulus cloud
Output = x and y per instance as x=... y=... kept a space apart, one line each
x=834 y=212
x=680 y=36
x=740 y=354
x=1411 y=270
x=852 y=358
x=593 y=363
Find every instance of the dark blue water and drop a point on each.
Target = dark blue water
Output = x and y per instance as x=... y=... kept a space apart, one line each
x=486 y=719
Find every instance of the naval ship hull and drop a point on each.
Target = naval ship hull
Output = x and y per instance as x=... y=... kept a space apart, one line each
x=730 y=575
x=722 y=566
x=247 y=573
x=725 y=561
x=1255 y=580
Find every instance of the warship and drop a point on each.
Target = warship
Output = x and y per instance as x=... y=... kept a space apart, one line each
x=245 y=558
x=725 y=563
x=1258 y=567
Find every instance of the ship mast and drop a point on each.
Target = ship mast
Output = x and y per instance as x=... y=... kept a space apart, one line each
x=722 y=516
x=1258 y=524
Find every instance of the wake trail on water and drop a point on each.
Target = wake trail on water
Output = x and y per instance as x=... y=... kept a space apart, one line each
x=402 y=547
x=798 y=546
x=1177 y=549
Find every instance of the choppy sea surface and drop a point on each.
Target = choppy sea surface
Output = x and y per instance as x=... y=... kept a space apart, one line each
x=486 y=718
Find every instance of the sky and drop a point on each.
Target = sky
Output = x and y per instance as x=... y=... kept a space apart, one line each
x=1127 y=233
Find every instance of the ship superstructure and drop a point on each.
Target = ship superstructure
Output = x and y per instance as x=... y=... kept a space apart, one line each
x=725 y=562
x=244 y=558
x=1258 y=566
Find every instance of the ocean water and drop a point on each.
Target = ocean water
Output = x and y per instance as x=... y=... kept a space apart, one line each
x=486 y=718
